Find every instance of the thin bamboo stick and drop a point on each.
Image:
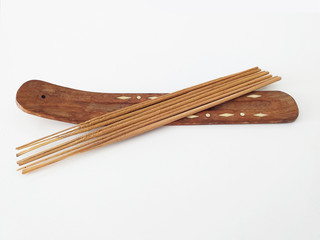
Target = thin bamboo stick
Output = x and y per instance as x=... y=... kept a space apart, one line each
x=121 y=131
x=208 y=94
x=157 y=124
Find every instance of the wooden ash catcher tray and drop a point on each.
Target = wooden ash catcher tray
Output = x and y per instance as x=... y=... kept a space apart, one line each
x=55 y=102
x=106 y=118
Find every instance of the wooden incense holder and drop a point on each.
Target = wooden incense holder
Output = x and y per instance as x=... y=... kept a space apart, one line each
x=51 y=101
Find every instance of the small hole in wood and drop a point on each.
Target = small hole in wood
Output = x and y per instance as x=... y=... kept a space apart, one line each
x=43 y=96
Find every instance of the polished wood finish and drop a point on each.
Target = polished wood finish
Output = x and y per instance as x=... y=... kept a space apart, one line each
x=69 y=105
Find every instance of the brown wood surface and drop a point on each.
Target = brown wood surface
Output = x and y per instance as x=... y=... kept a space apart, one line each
x=69 y=105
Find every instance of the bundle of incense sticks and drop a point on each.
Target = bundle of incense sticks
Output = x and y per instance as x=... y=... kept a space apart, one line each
x=142 y=117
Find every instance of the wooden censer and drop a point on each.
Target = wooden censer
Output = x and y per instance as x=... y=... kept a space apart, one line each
x=55 y=102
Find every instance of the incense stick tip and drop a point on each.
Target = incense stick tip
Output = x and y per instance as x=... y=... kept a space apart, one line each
x=20 y=162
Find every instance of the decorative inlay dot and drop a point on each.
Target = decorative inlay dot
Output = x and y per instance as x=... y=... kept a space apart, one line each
x=226 y=115
x=208 y=115
x=254 y=96
x=260 y=114
x=152 y=97
x=242 y=114
x=192 y=116
x=123 y=97
x=138 y=97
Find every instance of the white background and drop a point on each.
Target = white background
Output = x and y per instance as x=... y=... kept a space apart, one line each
x=200 y=182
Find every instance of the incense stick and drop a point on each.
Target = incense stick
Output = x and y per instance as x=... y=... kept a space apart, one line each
x=129 y=122
x=135 y=132
x=209 y=94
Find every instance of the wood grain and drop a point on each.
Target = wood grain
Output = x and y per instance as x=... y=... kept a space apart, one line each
x=70 y=105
